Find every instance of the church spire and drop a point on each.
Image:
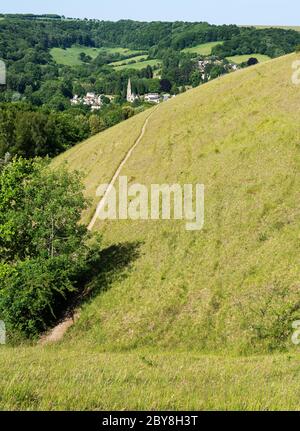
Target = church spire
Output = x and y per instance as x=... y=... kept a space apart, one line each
x=129 y=93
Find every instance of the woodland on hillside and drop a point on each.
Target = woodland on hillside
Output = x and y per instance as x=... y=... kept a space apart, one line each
x=36 y=116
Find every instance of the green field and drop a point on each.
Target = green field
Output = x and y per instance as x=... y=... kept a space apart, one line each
x=202 y=49
x=128 y=60
x=70 y=56
x=139 y=65
x=70 y=378
x=238 y=59
x=187 y=320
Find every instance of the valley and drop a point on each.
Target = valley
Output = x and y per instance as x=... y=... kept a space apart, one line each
x=189 y=320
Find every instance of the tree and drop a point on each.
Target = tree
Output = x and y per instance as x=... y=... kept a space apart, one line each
x=195 y=78
x=78 y=89
x=127 y=112
x=42 y=243
x=252 y=61
x=96 y=124
x=85 y=58
x=174 y=89
x=165 y=85
x=105 y=100
x=149 y=72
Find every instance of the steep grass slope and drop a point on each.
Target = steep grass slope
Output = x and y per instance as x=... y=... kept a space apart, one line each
x=233 y=285
x=170 y=307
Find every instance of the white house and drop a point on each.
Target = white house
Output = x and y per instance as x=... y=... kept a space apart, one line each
x=90 y=99
x=152 y=98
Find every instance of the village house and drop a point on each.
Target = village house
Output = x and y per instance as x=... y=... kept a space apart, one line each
x=202 y=66
x=90 y=99
x=152 y=98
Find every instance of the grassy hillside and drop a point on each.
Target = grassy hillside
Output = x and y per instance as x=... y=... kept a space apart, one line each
x=234 y=284
x=139 y=65
x=203 y=48
x=238 y=59
x=70 y=56
x=173 y=319
x=284 y=27
x=123 y=62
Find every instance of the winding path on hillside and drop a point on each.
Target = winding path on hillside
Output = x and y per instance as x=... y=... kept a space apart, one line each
x=118 y=171
x=57 y=333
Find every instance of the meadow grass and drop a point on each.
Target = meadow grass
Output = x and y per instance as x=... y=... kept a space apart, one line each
x=171 y=323
x=139 y=65
x=243 y=58
x=70 y=56
x=284 y=27
x=123 y=62
x=203 y=48
x=60 y=378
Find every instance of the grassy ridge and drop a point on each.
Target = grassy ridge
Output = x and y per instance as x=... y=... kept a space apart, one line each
x=139 y=65
x=123 y=62
x=284 y=27
x=70 y=56
x=243 y=58
x=239 y=273
x=203 y=48
x=150 y=335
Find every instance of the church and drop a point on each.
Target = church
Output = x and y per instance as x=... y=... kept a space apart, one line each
x=131 y=97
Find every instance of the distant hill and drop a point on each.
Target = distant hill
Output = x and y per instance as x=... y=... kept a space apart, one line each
x=283 y=27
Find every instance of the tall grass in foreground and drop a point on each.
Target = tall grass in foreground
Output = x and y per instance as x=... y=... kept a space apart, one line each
x=59 y=378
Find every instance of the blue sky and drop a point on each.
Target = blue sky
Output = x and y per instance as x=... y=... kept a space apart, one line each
x=273 y=12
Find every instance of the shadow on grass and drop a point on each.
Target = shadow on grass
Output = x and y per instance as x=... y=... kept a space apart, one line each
x=112 y=264
x=105 y=267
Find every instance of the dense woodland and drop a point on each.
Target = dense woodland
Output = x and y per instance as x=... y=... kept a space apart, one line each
x=36 y=118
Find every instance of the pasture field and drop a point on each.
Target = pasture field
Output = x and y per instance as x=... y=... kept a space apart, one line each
x=139 y=65
x=128 y=60
x=202 y=49
x=238 y=59
x=70 y=56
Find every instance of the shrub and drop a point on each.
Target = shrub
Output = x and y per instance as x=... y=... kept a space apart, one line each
x=32 y=292
x=42 y=244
